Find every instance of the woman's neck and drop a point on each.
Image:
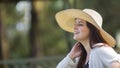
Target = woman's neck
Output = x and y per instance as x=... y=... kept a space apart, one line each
x=86 y=45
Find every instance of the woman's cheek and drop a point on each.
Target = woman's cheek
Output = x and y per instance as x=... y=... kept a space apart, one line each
x=84 y=33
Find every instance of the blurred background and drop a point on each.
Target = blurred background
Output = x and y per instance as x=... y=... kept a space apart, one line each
x=31 y=38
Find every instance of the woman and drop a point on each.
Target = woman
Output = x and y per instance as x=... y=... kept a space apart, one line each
x=94 y=46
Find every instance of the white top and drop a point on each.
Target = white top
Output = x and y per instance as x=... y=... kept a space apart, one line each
x=100 y=57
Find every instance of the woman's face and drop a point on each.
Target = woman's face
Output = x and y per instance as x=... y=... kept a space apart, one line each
x=81 y=31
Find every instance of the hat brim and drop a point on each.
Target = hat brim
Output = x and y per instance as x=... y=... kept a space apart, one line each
x=66 y=20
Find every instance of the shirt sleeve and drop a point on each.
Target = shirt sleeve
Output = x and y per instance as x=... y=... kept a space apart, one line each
x=67 y=62
x=107 y=55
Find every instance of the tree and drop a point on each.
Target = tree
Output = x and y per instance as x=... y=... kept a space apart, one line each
x=34 y=33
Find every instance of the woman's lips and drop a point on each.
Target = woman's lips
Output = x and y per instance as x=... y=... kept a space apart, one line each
x=76 y=32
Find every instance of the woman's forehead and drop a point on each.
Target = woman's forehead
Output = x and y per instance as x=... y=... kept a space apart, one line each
x=78 y=20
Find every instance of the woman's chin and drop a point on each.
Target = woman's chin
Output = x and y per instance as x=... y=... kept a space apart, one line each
x=75 y=38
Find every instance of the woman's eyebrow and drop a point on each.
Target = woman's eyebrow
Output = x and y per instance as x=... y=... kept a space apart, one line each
x=80 y=22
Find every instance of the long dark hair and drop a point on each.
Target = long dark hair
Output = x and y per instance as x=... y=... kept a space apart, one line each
x=95 y=37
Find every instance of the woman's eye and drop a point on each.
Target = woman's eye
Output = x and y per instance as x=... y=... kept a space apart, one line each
x=80 y=24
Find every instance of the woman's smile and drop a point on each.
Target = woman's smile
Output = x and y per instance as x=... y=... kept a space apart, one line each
x=76 y=32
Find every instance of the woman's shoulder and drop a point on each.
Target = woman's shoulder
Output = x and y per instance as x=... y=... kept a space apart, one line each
x=106 y=54
x=104 y=49
x=102 y=46
x=98 y=45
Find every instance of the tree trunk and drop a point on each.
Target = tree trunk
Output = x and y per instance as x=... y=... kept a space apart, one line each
x=36 y=48
x=4 y=52
x=1 y=57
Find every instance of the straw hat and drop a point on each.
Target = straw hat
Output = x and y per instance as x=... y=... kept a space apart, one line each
x=66 y=19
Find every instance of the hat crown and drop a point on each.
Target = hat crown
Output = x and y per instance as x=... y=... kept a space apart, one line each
x=95 y=15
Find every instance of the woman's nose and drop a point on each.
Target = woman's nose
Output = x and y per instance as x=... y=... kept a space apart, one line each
x=75 y=27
